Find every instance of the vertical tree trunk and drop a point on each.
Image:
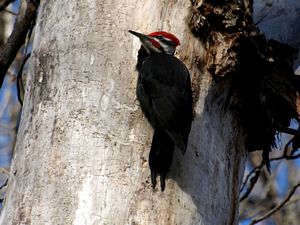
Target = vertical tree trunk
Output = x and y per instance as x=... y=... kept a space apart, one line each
x=82 y=148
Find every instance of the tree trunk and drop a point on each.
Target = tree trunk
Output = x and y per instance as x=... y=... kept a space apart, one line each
x=82 y=149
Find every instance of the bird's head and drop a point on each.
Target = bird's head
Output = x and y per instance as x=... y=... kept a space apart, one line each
x=158 y=42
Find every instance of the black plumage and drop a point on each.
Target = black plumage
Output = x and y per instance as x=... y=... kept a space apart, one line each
x=165 y=95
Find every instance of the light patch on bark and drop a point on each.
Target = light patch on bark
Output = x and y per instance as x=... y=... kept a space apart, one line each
x=104 y=102
x=82 y=215
x=92 y=60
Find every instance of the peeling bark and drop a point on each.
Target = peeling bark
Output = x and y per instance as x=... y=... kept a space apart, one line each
x=259 y=71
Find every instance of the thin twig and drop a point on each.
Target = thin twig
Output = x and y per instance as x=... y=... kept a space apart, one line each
x=249 y=175
x=261 y=19
x=292 y=201
x=253 y=180
x=3 y=185
x=278 y=207
x=285 y=154
x=10 y=12
x=20 y=86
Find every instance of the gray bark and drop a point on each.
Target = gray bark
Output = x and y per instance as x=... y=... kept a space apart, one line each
x=82 y=148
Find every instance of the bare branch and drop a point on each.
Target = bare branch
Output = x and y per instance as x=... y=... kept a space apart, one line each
x=4 y=4
x=278 y=207
x=253 y=181
x=17 y=38
x=10 y=12
x=287 y=130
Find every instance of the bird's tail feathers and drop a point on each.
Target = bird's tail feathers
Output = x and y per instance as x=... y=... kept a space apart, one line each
x=160 y=157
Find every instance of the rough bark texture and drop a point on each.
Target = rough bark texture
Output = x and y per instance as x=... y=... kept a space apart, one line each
x=259 y=71
x=82 y=149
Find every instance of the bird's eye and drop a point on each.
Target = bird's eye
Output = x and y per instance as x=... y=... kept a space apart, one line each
x=160 y=37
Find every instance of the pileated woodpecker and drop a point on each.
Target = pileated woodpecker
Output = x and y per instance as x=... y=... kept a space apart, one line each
x=165 y=95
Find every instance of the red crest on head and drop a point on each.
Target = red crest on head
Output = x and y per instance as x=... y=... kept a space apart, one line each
x=167 y=35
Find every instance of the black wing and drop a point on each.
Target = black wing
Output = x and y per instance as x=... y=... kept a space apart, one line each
x=164 y=91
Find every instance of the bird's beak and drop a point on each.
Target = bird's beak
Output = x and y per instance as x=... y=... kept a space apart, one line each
x=142 y=37
x=146 y=41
